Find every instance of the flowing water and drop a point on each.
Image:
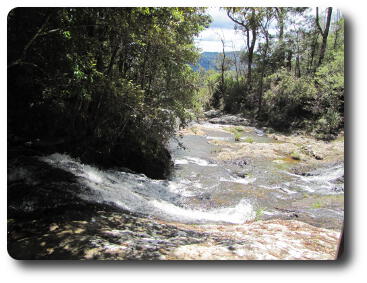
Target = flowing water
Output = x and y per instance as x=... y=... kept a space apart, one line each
x=204 y=189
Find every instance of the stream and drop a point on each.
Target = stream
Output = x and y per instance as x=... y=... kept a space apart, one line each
x=203 y=189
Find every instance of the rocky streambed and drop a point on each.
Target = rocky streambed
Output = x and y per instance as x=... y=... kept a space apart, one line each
x=237 y=192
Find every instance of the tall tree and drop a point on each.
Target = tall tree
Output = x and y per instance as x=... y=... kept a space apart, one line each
x=247 y=19
x=265 y=24
x=324 y=33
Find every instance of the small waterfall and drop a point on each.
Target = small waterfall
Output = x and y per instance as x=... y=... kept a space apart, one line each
x=140 y=194
x=328 y=180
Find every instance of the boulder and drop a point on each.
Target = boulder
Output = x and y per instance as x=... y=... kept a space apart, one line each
x=212 y=113
x=230 y=120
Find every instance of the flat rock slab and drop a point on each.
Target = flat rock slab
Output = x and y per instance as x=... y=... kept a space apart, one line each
x=117 y=236
x=263 y=240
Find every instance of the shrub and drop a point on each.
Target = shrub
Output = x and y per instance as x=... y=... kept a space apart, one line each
x=237 y=136
x=289 y=99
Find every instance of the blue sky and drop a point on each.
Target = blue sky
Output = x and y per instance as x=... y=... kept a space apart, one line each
x=221 y=27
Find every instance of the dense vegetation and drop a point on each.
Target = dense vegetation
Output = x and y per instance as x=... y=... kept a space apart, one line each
x=291 y=73
x=110 y=85
x=104 y=84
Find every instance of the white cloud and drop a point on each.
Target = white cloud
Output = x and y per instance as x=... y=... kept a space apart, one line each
x=221 y=27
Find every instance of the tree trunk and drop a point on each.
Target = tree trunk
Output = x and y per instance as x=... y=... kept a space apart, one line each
x=289 y=60
x=313 y=52
x=324 y=33
x=280 y=15
x=250 y=59
x=298 y=67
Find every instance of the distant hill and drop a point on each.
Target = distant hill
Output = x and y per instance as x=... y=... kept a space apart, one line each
x=208 y=60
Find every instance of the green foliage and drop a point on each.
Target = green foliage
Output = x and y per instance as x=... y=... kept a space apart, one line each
x=289 y=99
x=330 y=105
x=112 y=80
x=234 y=95
x=237 y=136
x=289 y=81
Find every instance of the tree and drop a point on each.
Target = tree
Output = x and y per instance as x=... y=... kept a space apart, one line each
x=265 y=24
x=247 y=19
x=324 y=33
x=110 y=82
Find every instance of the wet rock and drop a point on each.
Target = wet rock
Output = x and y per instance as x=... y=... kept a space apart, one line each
x=338 y=189
x=237 y=162
x=212 y=113
x=308 y=150
x=260 y=133
x=230 y=120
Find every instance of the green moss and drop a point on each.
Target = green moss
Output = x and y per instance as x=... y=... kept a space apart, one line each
x=249 y=140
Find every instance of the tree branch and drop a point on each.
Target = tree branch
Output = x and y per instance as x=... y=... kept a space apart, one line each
x=26 y=47
x=234 y=20
x=69 y=27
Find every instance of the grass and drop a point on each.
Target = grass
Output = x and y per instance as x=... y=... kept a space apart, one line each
x=237 y=136
x=295 y=155
x=317 y=204
x=259 y=213
x=249 y=140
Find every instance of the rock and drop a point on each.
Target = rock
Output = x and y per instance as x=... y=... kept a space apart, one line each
x=307 y=149
x=230 y=120
x=318 y=156
x=260 y=133
x=212 y=113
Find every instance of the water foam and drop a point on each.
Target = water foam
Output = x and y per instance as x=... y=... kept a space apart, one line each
x=238 y=180
x=140 y=194
x=323 y=181
x=194 y=160
x=238 y=214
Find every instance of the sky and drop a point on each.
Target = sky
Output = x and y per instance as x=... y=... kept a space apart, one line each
x=222 y=26
x=209 y=40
